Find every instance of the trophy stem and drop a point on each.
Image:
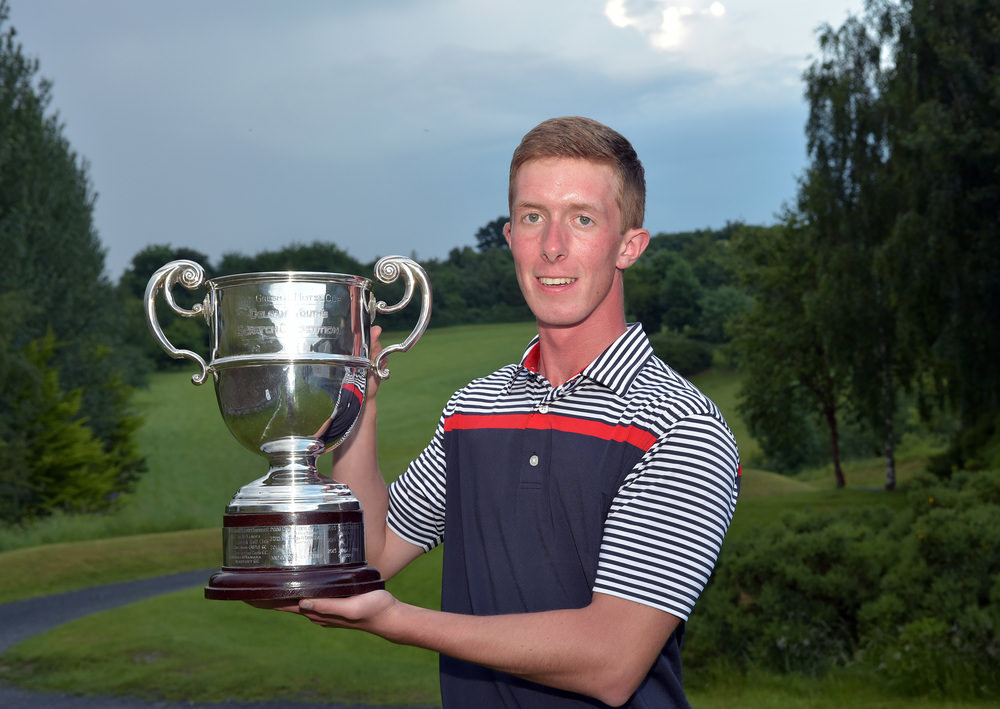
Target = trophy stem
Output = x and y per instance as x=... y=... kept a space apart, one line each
x=293 y=461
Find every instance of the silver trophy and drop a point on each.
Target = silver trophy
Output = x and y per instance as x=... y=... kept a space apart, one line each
x=290 y=358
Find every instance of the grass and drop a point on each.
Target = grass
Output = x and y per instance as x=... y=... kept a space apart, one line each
x=180 y=646
x=66 y=566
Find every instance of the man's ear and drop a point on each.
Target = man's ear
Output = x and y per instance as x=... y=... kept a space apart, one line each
x=506 y=233
x=634 y=242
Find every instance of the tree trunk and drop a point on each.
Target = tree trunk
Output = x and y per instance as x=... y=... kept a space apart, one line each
x=889 y=445
x=831 y=422
x=890 y=459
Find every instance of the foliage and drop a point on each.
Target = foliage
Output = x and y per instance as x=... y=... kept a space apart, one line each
x=942 y=256
x=896 y=217
x=785 y=346
x=687 y=282
x=848 y=203
x=49 y=457
x=61 y=311
x=317 y=256
x=684 y=354
x=185 y=333
x=490 y=235
x=912 y=599
x=935 y=626
x=476 y=287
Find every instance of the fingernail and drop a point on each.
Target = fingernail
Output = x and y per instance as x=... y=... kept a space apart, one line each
x=305 y=604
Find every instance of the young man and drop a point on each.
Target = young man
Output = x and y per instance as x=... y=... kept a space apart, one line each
x=583 y=494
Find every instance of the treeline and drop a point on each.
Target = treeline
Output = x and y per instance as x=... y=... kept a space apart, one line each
x=683 y=290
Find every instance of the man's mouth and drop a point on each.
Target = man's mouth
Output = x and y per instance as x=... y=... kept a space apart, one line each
x=555 y=281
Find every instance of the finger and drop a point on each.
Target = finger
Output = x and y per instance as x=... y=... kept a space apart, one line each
x=375 y=351
x=352 y=609
x=289 y=605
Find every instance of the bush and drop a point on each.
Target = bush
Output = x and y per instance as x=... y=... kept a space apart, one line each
x=787 y=599
x=934 y=626
x=912 y=599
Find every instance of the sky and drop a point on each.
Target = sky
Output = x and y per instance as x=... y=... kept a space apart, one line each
x=387 y=126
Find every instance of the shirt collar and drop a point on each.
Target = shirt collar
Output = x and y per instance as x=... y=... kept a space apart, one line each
x=616 y=367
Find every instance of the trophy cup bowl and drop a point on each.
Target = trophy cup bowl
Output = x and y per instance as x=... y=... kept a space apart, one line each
x=290 y=359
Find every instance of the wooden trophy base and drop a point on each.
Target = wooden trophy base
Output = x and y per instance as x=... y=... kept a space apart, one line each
x=292 y=584
x=293 y=555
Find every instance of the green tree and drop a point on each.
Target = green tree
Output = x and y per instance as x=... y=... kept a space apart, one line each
x=182 y=332
x=942 y=260
x=849 y=206
x=52 y=457
x=69 y=317
x=320 y=256
x=687 y=282
x=719 y=307
x=784 y=350
x=490 y=235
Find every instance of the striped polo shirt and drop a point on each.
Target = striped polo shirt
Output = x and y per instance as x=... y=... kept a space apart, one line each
x=622 y=480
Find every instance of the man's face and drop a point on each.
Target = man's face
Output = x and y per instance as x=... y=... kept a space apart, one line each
x=564 y=234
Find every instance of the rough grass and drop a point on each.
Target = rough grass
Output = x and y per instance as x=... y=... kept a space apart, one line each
x=66 y=566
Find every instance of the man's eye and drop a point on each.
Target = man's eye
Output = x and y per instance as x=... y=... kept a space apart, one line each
x=585 y=221
x=533 y=218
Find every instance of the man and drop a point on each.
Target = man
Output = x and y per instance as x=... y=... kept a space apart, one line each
x=583 y=494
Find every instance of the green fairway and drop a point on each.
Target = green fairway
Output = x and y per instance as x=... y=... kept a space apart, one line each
x=183 y=647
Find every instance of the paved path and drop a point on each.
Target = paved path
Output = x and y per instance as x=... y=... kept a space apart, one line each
x=22 y=619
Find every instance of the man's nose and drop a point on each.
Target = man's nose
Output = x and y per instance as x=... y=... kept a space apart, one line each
x=553 y=243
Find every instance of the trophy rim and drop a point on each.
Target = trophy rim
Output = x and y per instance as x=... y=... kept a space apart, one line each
x=291 y=277
x=312 y=358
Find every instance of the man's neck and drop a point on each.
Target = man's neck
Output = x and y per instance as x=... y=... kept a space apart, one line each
x=563 y=352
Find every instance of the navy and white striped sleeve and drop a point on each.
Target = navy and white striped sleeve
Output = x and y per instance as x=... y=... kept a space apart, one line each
x=666 y=525
x=417 y=497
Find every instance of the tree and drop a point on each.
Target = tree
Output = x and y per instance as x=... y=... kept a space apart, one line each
x=942 y=258
x=784 y=351
x=661 y=290
x=849 y=206
x=66 y=334
x=182 y=332
x=52 y=459
x=321 y=256
x=490 y=236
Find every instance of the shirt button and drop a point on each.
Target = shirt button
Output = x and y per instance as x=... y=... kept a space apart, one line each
x=533 y=461
x=543 y=409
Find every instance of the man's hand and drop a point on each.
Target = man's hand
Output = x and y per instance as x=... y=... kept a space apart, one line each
x=359 y=612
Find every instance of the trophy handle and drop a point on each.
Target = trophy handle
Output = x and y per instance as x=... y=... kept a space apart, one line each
x=190 y=275
x=388 y=270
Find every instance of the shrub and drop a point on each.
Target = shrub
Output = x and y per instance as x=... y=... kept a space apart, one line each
x=911 y=599
x=788 y=598
x=934 y=626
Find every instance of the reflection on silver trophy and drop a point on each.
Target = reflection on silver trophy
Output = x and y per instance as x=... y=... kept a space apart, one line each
x=290 y=358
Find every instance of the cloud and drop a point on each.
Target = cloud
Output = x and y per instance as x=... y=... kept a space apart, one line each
x=665 y=25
